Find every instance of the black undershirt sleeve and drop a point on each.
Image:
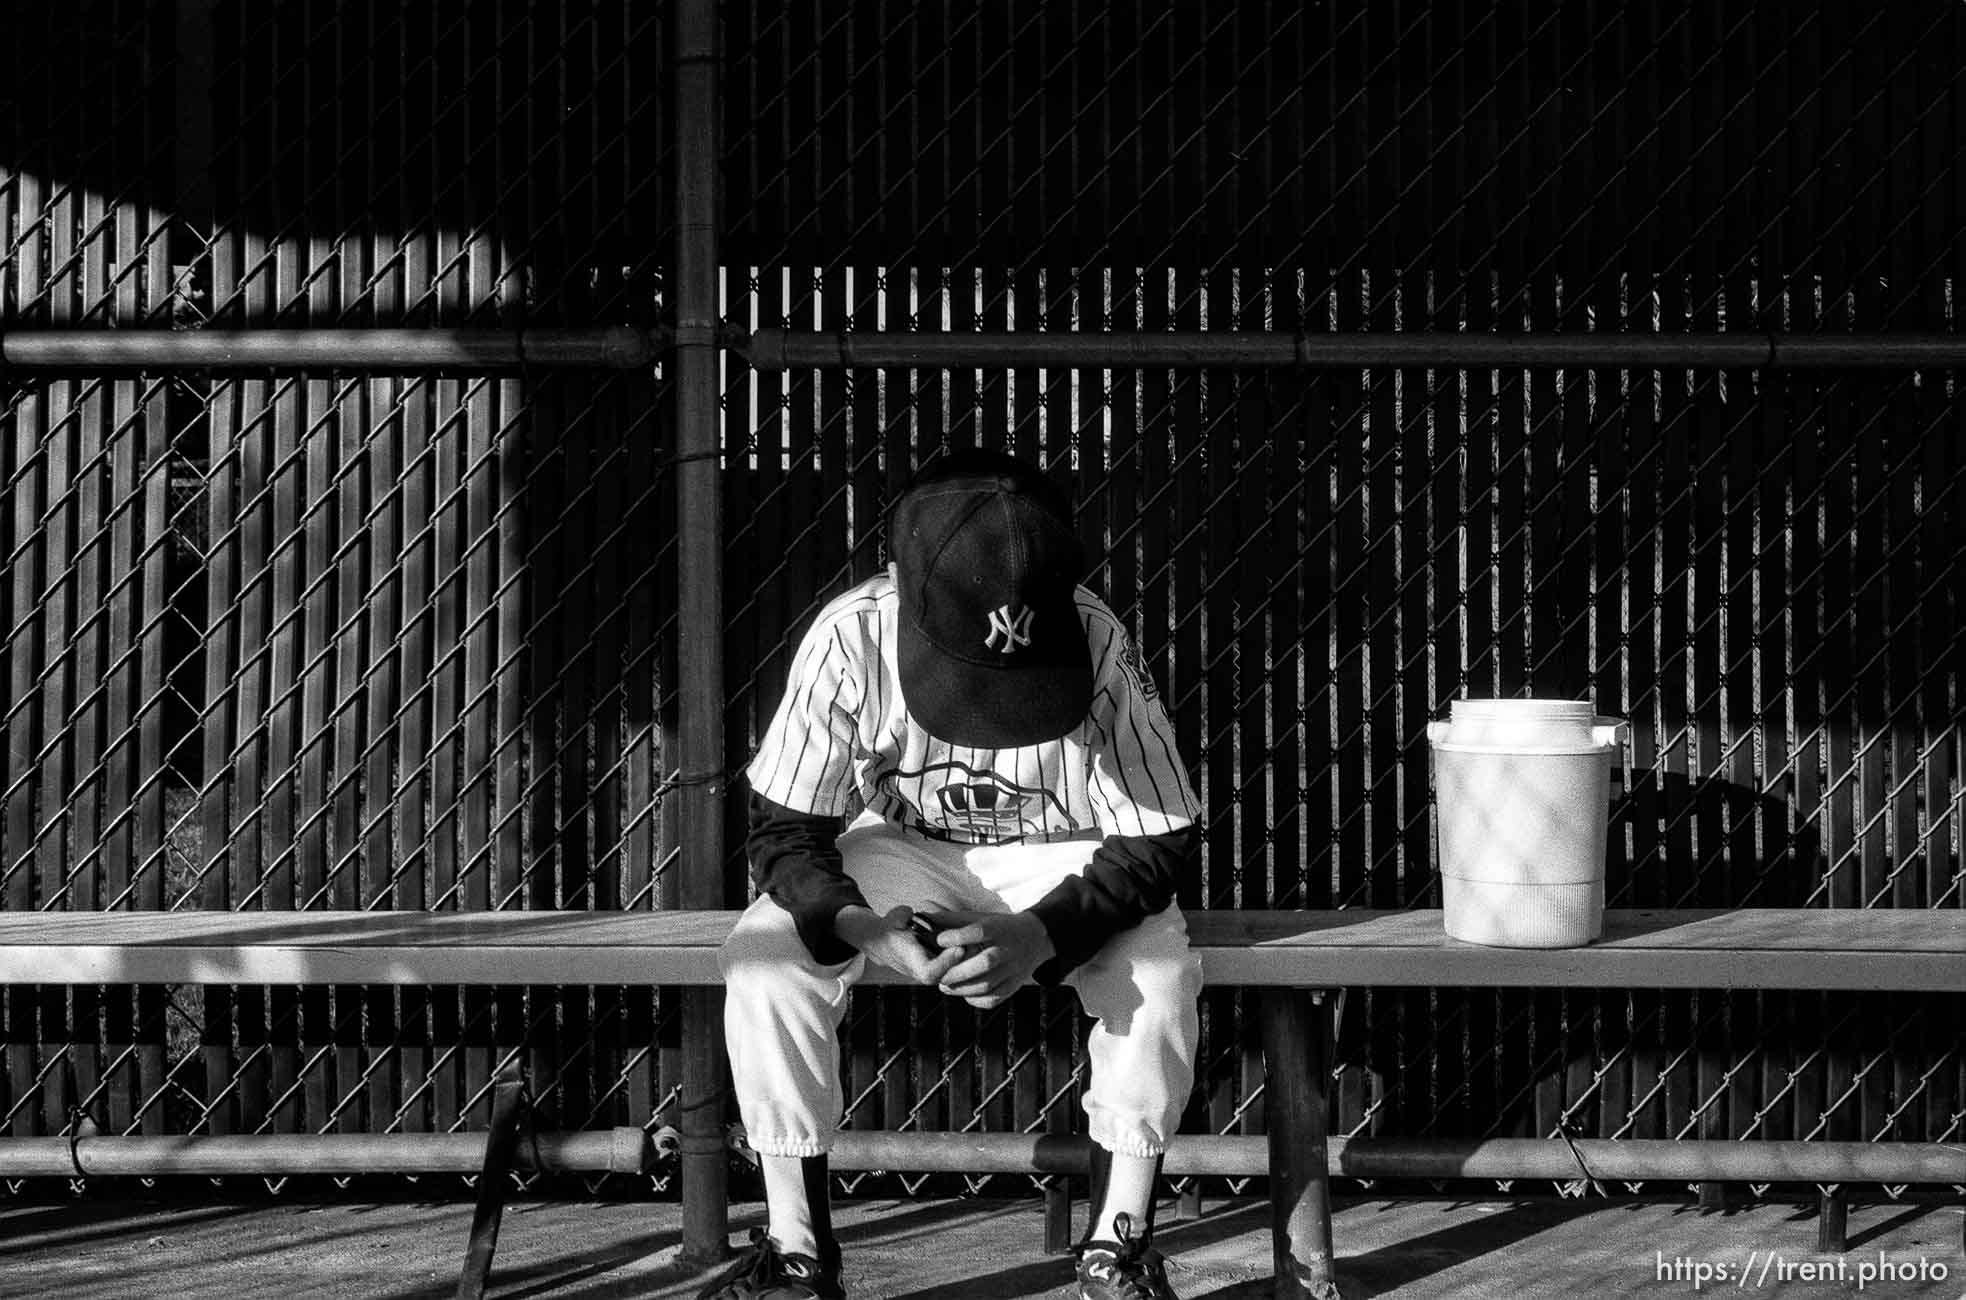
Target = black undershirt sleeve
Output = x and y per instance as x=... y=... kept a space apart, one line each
x=795 y=858
x=1130 y=878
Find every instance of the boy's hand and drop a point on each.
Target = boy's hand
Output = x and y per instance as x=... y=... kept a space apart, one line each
x=1000 y=949
x=892 y=941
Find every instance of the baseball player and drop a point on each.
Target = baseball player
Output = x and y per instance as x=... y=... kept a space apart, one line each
x=1018 y=812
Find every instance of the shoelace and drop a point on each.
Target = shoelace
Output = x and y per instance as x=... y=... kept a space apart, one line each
x=759 y=1265
x=1134 y=1271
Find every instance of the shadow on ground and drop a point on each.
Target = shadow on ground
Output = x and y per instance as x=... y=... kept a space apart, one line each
x=1522 y=1248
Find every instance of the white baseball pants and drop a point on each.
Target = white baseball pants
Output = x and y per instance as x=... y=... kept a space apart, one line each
x=782 y=1010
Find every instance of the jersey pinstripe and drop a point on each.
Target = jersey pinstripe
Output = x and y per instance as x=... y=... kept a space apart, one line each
x=842 y=731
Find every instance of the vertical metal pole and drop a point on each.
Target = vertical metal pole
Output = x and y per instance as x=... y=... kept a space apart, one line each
x=1058 y=1215
x=1832 y=1220
x=1296 y=1049
x=700 y=622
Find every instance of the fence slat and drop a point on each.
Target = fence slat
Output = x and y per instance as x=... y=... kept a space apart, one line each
x=24 y=567
x=483 y=877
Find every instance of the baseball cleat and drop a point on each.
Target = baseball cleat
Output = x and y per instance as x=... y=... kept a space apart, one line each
x=764 y=1272
x=1123 y=1270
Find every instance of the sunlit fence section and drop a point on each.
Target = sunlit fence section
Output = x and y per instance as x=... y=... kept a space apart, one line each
x=332 y=639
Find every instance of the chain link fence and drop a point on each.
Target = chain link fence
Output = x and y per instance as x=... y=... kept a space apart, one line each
x=342 y=640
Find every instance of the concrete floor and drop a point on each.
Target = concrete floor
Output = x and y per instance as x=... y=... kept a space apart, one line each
x=102 y=1249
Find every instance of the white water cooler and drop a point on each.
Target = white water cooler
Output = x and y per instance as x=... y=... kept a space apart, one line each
x=1523 y=793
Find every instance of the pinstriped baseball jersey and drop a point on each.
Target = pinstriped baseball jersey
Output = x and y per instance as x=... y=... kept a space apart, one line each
x=842 y=730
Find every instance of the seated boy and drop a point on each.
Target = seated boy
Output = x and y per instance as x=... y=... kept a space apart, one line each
x=1022 y=795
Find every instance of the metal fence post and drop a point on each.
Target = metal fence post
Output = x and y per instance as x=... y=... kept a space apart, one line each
x=700 y=600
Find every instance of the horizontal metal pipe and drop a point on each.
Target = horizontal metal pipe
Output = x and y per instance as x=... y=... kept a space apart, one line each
x=626 y=1150
x=618 y=1150
x=615 y=347
x=775 y=349
x=1860 y=1162
x=1772 y=1161
x=623 y=347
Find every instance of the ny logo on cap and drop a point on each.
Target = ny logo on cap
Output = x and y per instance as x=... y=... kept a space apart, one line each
x=1015 y=629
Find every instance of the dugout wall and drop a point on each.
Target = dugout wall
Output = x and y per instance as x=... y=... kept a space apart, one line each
x=341 y=637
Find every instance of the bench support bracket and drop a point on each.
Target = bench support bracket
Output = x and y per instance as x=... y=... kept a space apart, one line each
x=1297 y=1046
x=510 y=1104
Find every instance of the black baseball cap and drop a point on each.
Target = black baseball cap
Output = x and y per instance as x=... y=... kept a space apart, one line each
x=991 y=652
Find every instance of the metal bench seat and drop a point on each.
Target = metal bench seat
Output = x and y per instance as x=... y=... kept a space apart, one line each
x=1292 y=957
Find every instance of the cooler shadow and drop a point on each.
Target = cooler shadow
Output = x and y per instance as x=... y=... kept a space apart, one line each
x=1678 y=841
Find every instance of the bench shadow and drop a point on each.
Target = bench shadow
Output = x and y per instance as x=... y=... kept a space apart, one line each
x=906 y=1219
x=1042 y=1273
x=77 y=1223
x=1397 y=1264
x=1388 y=1268
x=567 y=1277
x=1037 y=1272
x=1910 y=1215
x=1376 y=1272
x=558 y=1277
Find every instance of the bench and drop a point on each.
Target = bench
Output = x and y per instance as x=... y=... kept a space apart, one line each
x=1290 y=957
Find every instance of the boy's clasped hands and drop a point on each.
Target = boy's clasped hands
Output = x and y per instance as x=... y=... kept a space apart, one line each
x=980 y=957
